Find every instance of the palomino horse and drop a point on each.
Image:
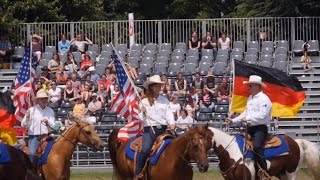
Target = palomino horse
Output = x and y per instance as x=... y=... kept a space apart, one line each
x=58 y=163
x=174 y=162
x=19 y=166
x=233 y=167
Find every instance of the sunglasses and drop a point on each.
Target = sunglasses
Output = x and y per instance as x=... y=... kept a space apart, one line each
x=53 y=84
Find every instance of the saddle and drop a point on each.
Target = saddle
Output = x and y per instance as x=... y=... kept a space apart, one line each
x=271 y=141
x=40 y=151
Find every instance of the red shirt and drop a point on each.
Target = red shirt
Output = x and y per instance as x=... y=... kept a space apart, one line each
x=85 y=64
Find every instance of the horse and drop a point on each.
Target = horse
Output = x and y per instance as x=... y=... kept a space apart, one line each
x=174 y=162
x=234 y=166
x=58 y=162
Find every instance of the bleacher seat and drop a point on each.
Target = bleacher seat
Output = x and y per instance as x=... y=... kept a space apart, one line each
x=94 y=48
x=101 y=69
x=208 y=59
x=63 y=57
x=152 y=47
x=219 y=117
x=222 y=109
x=251 y=59
x=50 y=49
x=18 y=52
x=207 y=52
x=314 y=47
x=204 y=67
x=164 y=53
x=252 y=51
x=107 y=47
x=178 y=52
x=223 y=52
x=266 y=51
x=181 y=46
x=190 y=67
x=222 y=58
x=177 y=59
x=253 y=44
x=204 y=117
x=149 y=53
x=281 y=65
x=238 y=45
x=265 y=63
x=77 y=57
x=267 y=45
x=47 y=55
x=192 y=59
x=266 y=57
x=193 y=52
x=281 y=57
x=145 y=68
x=219 y=69
x=148 y=60
x=103 y=61
x=122 y=48
x=164 y=60
x=283 y=44
x=174 y=67
x=166 y=47
x=135 y=53
x=44 y=62
x=136 y=47
x=297 y=47
x=281 y=50
x=160 y=68
x=138 y=82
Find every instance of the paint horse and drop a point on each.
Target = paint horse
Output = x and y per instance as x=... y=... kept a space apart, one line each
x=235 y=166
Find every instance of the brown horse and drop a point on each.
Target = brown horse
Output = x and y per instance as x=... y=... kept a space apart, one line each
x=58 y=164
x=234 y=167
x=174 y=162
x=19 y=167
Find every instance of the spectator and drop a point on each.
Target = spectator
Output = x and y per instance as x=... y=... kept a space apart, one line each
x=63 y=44
x=180 y=84
x=305 y=58
x=206 y=101
x=86 y=63
x=5 y=46
x=70 y=65
x=54 y=95
x=61 y=78
x=38 y=86
x=37 y=46
x=224 y=42
x=209 y=42
x=115 y=92
x=189 y=106
x=166 y=86
x=55 y=64
x=174 y=106
x=79 y=43
x=194 y=42
x=76 y=85
x=79 y=107
x=86 y=94
x=94 y=76
x=131 y=70
x=69 y=93
x=224 y=90
x=102 y=94
x=103 y=82
x=184 y=121
x=95 y=105
x=44 y=83
x=45 y=72
x=194 y=95
x=210 y=83
x=88 y=83
x=198 y=83
x=109 y=75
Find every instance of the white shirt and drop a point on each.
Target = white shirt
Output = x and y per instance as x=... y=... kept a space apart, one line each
x=185 y=121
x=224 y=44
x=54 y=94
x=174 y=107
x=34 y=124
x=258 y=110
x=157 y=114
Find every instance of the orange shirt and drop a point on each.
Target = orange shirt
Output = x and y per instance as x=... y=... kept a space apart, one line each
x=86 y=64
x=106 y=84
x=6 y=120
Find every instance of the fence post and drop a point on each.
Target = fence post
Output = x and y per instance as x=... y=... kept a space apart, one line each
x=72 y=30
x=293 y=31
x=248 y=25
x=204 y=28
x=159 y=32
x=115 y=33
x=29 y=32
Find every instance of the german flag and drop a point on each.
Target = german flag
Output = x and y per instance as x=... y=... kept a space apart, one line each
x=285 y=92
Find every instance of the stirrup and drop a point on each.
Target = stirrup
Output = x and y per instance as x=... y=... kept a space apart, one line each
x=263 y=175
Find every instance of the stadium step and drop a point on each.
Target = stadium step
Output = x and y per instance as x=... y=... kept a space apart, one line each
x=8 y=72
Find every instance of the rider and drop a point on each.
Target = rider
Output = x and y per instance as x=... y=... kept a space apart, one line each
x=156 y=115
x=36 y=120
x=257 y=115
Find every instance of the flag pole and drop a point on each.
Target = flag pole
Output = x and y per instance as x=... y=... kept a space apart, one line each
x=131 y=82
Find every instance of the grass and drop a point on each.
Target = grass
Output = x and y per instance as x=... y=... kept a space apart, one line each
x=213 y=174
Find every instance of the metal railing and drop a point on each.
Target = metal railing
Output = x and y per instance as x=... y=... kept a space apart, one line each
x=173 y=31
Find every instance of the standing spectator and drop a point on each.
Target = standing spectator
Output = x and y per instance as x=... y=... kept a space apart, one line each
x=184 y=121
x=55 y=64
x=86 y=63
x=76 y=85
x=194 y=42
x=198 y=83
x=70 y=65
x=174 y=106
x=5 y=46
x=54 y=95
x=224 y=42
x=63 y=44
x=36 y=121
x=166 y=86
x=224 y=90
x=79 y=43
x=69 y=93
x=37 y=46
x=189 y=105
x=180 y=84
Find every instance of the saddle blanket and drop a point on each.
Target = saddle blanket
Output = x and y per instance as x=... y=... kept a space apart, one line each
x=269 y=152
x=154 y=159
x=44 y=158
x=4 y=154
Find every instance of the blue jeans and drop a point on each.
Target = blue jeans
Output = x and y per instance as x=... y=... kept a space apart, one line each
x=33 y=144
x=148 y=139
x=259 y=134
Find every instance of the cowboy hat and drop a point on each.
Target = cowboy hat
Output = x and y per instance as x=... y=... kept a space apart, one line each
x=42 y=94
x=45 y=68
x=155 y=79
x=210 y=74
x=254 y=79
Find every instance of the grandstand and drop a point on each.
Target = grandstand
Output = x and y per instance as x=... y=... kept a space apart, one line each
x=163 y=49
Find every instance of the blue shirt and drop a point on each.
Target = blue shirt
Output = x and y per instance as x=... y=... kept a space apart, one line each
x=64 y=46
x=95 y=78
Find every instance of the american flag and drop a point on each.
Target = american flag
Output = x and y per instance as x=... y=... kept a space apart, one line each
x=125 y=103
x=24 y=85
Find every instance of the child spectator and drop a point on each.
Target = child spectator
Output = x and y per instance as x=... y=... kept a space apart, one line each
x=305 y=58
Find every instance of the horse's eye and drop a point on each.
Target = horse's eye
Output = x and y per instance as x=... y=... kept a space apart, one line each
x=88 y=132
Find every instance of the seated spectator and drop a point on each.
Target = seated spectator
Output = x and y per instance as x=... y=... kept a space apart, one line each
x=37 y=46
x=174 y=106
x=79 y=43
x=194 y=95
x=86 y=94
x=180 y=84
x=115 y=92
x=45 y=72
x=109 y=75
x=95 y=105
x=38 y=86
x=131 y=70
x=5 y=47
x=209 y=42
x=103 y=82
x=70 y=66
x=69 y=94
x=184 y=121
x=194 y=42
x=94 y=76
x=86 y=63
x=102 y=94
x=189 y=105
x=166 y=86
x=224 y=90
x=306 y=61
x=76 y=85
x=206 y=101
x=55 y=64
x=79 y=107
x=88 y=83
x=54 y=95
x=61 y=78
x=211 y=84
x=224 y=42
x=63 y=44
x=44 y=83
x=198 y=83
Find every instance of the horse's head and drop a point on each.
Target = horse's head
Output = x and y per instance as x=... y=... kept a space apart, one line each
x=88 y=136
x=200 y=142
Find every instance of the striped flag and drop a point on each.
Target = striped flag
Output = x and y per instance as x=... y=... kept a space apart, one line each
x=125 y=103
x=285 y=92
x=24 y=86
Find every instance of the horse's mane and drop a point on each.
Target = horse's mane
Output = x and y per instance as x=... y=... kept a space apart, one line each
x=71 y=127
x=6 y=102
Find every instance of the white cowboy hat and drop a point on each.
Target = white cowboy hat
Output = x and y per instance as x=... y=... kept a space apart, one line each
x=42 y=94
x=254 y=79
x=155 y=79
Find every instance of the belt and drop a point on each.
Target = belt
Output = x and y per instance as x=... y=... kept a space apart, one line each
x=160 y=127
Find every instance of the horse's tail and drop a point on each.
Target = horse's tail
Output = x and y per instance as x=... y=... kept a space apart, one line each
x=113 y=146
x=311 y=156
